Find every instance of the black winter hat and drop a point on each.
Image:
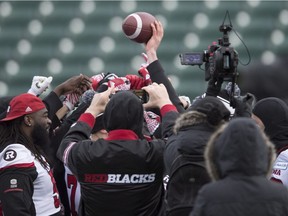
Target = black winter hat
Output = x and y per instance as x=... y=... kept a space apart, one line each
x=273 y=112
x=124 y=111
x=214 y=109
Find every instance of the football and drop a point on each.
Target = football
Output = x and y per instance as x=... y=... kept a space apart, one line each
x=137 y=26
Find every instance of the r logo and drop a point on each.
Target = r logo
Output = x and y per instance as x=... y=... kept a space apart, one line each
x=10 y=155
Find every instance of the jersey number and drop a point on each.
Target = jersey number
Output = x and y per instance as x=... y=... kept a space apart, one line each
x=55 y=192
x=72 y=184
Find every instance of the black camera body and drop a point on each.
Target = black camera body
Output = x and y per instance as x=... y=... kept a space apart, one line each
x=221 y=60
x=141 y=94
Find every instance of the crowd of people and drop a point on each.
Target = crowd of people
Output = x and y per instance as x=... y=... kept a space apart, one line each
x=94 y=147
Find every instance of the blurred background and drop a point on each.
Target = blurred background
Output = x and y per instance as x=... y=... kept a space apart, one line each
x=66 y=38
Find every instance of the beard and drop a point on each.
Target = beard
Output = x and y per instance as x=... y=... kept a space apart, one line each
x=40 y=137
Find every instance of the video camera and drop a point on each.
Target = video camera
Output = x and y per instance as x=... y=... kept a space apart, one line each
x=221 y=60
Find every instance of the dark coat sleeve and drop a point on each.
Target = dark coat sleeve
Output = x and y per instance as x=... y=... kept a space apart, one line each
x=60 y=132
x=167 y=124
x=199 y=205
x=21 y=194
x=158 y=75
x=53 y=104
x=80 y=131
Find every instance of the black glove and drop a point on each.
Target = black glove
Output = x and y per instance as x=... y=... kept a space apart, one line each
x=214 y=87
x=243 y=106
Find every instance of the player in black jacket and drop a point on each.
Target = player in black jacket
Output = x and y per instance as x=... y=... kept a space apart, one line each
x=120 y=175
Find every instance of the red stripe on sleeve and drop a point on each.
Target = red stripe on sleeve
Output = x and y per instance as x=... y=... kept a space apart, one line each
x=167 y=108
x=87 y=118
x=24 y=165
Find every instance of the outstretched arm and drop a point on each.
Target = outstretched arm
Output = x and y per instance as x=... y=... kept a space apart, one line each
x=155 y=69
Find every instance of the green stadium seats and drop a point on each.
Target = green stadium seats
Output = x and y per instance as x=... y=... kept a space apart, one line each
x=43 y=25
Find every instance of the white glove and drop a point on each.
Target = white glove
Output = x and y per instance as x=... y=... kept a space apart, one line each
x=39 y=85
x=71 y=100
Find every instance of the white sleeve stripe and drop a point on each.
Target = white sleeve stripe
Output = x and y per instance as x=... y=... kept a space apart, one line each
x=67 y=151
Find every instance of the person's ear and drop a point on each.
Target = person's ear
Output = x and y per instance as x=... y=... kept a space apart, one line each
x=27 y=120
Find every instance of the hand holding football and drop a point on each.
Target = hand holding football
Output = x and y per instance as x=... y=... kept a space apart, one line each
x=137 y=26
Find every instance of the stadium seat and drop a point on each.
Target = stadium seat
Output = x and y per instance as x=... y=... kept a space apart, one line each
x=53 y=22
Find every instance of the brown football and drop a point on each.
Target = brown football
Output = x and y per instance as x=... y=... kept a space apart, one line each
x=137 y=26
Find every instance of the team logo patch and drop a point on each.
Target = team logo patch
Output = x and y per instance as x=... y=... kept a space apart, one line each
x=281 y=165
x=13 y=183
x=10 y=155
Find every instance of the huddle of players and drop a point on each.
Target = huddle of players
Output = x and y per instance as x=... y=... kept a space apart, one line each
x=92 y=97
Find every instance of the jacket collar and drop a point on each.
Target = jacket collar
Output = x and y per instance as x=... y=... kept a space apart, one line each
x=122 y=134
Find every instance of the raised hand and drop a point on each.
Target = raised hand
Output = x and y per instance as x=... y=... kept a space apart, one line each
x=39 y=85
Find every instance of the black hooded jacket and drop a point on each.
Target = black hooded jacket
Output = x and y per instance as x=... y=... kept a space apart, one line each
x=120 y=175
x=239 y=159
x=192 y=131
x=124 y=111
x=273 y=112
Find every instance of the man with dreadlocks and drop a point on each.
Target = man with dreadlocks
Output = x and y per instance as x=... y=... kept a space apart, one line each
x=27 y=184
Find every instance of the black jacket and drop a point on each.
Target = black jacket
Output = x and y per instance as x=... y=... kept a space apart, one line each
x=190 y=138
x=121 y=175
x=184 y=153
x=239 y=160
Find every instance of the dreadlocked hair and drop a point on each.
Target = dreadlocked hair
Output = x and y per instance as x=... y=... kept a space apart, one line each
x=10 y=132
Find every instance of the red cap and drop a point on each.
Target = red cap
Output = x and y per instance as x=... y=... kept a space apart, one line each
x=23 y=104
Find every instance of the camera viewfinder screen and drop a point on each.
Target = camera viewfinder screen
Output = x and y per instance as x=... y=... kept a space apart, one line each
x=193 y=58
